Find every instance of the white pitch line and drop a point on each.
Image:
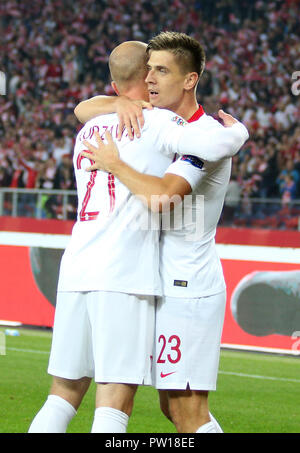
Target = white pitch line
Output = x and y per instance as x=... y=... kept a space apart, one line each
x=255 y=376
x=56 y=241
x=228 y=373
x=36 y=351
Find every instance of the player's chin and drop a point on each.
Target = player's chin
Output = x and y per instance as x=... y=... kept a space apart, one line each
x=154 y=98
x=156 y=102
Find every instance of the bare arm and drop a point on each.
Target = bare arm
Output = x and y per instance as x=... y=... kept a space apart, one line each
x=106 y=157
x=98 y=105
x=130 y=112
x=159 y=194
x=211 y=146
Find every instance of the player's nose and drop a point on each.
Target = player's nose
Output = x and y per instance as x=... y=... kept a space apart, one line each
x=150 y=78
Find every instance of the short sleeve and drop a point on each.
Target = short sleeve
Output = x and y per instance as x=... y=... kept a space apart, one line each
x=189 y=167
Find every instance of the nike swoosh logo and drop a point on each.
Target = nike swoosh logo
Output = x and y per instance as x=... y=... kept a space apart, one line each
x=162 y=375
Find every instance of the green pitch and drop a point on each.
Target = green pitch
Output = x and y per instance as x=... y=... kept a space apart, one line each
x=257 y=393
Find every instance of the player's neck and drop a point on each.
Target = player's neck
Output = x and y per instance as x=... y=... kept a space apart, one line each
x=187 y=108
x=137 y=93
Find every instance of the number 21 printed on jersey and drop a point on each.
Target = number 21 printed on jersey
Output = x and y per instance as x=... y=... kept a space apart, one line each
x=85 y=215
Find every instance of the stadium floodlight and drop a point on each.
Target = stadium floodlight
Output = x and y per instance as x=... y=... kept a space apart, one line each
x=2 y=83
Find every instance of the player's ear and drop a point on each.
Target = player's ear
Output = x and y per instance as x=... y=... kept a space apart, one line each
x=191 y=80
x=115 y=88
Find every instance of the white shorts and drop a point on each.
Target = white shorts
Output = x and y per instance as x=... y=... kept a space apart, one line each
x=104 y=335
x=187 y=342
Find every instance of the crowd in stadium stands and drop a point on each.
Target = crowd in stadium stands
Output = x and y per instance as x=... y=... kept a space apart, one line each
x=55 y=54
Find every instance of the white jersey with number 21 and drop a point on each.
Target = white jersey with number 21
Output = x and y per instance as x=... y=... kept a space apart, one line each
x=114 y=243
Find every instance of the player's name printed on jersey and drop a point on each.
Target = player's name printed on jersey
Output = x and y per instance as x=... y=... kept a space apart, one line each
x=88 y=133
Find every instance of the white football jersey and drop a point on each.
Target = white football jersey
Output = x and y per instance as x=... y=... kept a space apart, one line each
x=112 y=247
x=189 y=263
x=114 y=243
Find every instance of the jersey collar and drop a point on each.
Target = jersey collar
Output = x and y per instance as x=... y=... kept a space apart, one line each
x=196 y=115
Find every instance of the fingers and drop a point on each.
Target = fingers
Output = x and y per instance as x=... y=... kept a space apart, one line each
x=100 y=142
x=132 y=121
x=98 y=139
x=108 y=138
x=125 y=123
x=136 y=127
x=222 y=114
x=147 y=105
x=141 y=121
x=131 y=118
x=101 y=155
x=92 y=168
x=121 y=127
x=227 y=118
x=128 y=124
x=89 y=146
x=89 y=155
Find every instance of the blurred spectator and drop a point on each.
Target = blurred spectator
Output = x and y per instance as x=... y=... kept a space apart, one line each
x=4 y=177
x=288 y=189
x=55 y=54
x=293 y=175
x=61 y=147
x=64 y=177
x=232 y=200
x=46 y=175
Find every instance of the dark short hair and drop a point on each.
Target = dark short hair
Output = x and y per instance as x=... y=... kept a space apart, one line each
x=188 y=51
